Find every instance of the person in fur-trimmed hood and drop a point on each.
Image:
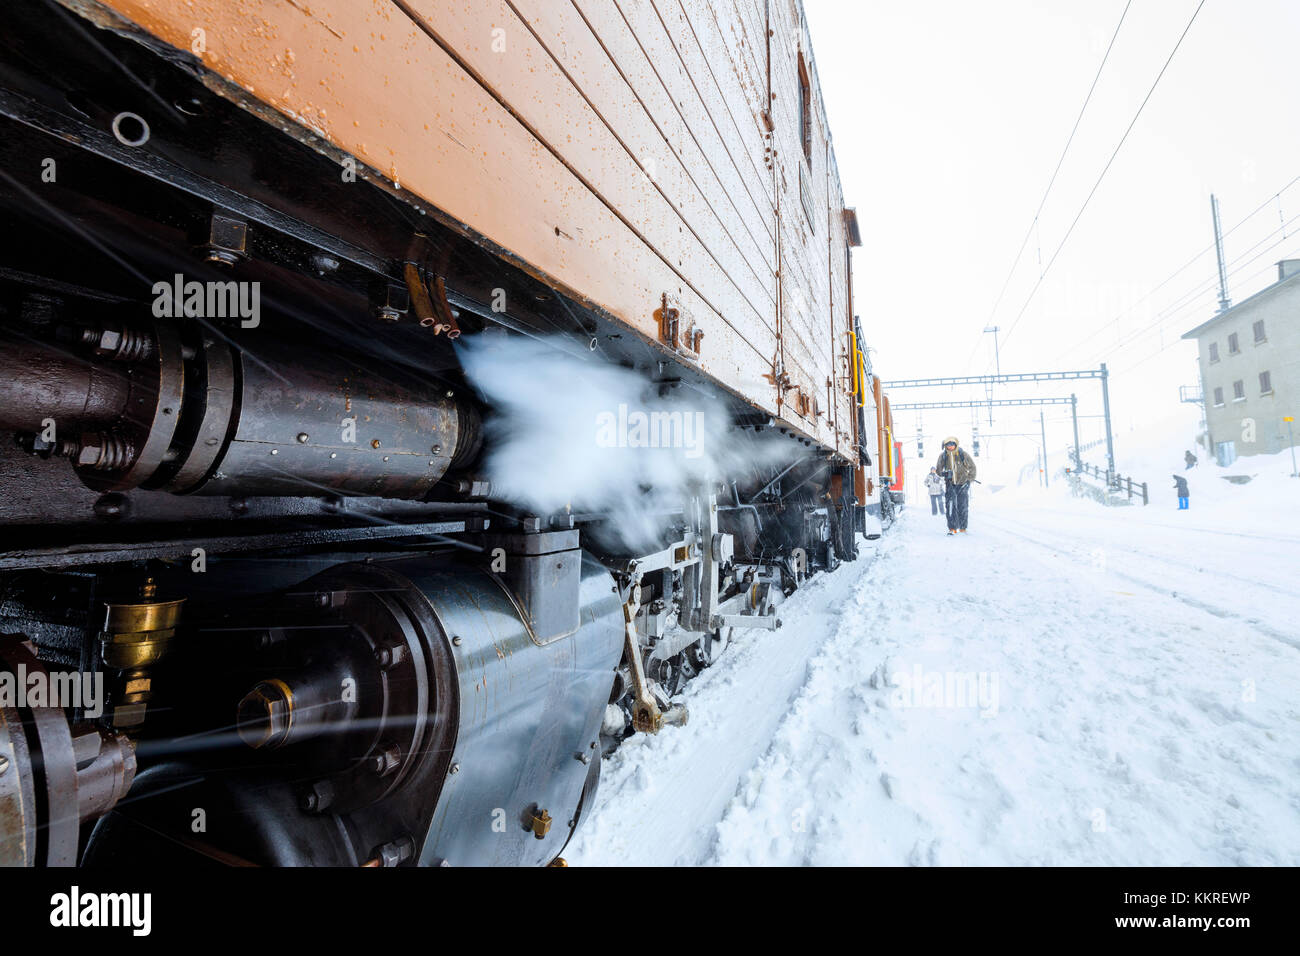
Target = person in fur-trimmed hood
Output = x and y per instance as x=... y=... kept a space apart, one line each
x=959 y=470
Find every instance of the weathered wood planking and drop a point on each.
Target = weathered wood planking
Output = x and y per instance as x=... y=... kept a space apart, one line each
x=617 y=149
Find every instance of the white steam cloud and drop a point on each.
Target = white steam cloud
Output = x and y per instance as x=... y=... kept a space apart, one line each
x=577 y=431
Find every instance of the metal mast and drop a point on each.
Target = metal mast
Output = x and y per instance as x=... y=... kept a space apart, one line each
x=1224 y=302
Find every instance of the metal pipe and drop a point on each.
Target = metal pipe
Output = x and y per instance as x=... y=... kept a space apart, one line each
x=39 y=382
x=762 y=491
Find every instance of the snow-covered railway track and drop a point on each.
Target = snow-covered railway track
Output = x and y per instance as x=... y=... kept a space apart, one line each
x=1193 y=566
x=1000 y=522
x=1249 y=535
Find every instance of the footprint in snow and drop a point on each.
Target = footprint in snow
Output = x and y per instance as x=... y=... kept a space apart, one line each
x=888 y=782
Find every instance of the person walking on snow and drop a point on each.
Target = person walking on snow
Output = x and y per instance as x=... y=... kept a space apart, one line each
x=959 y=470
x=934 y=485
x=1190 y=459
x=1181 y=484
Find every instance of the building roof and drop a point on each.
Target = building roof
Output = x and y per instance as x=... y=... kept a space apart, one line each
x=1252 y=300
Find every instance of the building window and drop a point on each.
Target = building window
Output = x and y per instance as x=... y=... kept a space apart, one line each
x=1214 y=351
x=1265 y=383
x=1239 y=391
x=1233 y=347
x=1218 y=398
x=805 y=110
x=1259 y=331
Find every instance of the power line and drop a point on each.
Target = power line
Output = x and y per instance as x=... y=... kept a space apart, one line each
x=1163 y=348
x=1188 y=300
x=1277 y=196
x=1052 y=181
x=1105 y=169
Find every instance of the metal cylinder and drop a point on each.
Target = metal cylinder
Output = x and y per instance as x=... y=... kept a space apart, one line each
x=277 y=712
x=316 y=422
x=53 y=776
x=103 y=777
x=186 y=413
x=39 y=382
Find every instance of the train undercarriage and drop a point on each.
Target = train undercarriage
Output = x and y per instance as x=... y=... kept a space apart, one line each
x=259 y=602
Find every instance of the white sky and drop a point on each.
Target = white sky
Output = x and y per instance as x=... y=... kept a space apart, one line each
x=948 y=118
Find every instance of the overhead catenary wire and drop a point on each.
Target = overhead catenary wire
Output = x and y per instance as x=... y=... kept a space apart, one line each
x=1277 y=196
x=1189 y=299
x=1162 y=349
x=1033 y=224
x=1105 y=169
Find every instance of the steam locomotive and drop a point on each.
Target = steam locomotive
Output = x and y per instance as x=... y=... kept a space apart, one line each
x=263 y=599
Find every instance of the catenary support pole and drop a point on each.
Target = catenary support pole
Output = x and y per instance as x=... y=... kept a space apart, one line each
x=1110 y=442
x=1042 y=427
x=1074 y=416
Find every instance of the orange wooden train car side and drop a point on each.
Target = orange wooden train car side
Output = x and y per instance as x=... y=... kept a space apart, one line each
x=630 y=153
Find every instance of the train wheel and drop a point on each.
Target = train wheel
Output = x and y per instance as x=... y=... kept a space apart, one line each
x=670 y=674
x=709 y=649
x=832 y=556
x=886 y=509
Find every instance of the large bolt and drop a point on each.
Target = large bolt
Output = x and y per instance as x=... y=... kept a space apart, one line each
x=319 y=797
x=263 y=716
x=109 y=341
x=103 y=451
x=390 y=655
x=226 y=241
x=540 y=823
x=394 y=853
x=386 y=761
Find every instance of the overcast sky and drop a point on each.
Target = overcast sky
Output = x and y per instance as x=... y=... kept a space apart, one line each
x=948 y=118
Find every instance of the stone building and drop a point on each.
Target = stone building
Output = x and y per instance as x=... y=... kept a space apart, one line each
x=1250 y=369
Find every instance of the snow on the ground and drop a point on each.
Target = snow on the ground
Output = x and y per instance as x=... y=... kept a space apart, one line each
x=661 y=796
x=1067 y=684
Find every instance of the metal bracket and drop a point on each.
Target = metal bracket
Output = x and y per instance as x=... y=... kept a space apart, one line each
x=645 y=712
x=674 y=332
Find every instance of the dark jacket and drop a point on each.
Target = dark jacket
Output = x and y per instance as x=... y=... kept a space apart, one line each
x=962 y=466
x=1181 y=484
